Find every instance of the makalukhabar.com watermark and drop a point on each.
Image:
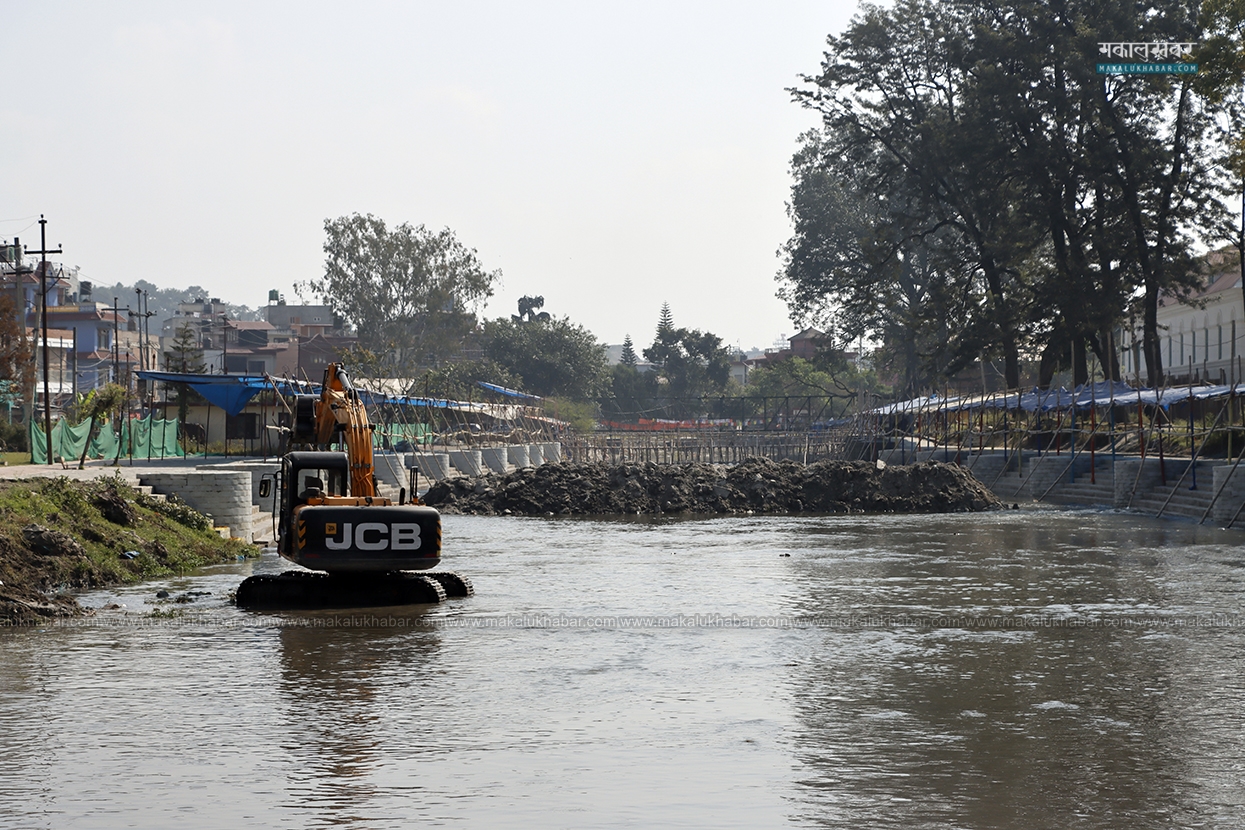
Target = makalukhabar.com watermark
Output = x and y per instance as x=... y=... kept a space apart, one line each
x=1157 y=57
x=618 y=622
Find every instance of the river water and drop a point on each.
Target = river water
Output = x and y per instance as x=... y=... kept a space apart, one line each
x=1033 y=668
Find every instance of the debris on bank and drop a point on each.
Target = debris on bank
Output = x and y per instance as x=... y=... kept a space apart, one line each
x=758 y=485
x=58 y=536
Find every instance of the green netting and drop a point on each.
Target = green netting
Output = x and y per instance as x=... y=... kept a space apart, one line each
x=152 y=439
x=387 y=436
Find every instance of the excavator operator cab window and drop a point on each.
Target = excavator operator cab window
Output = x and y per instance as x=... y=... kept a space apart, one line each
x=314 y=482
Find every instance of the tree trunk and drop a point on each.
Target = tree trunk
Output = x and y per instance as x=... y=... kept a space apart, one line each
x=86 y=447
x=1150 y=344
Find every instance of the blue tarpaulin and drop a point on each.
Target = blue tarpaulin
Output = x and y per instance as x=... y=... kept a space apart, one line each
x=230 y=392
x=1083 y=397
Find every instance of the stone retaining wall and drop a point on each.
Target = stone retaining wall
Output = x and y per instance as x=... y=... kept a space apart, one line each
x=225 y=496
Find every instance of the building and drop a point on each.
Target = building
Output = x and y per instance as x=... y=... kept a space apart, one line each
x=89 y=343
x=1203 y=341
x=302 y=321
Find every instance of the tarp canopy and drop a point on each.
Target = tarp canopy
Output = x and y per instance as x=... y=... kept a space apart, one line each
x=509 y=393
x=1083 y=397
x=229 y=392
x=233 y=392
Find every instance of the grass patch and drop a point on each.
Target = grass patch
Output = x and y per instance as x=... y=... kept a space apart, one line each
x=155 y=540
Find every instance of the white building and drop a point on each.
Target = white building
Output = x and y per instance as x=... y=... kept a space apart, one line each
x=1204 y=341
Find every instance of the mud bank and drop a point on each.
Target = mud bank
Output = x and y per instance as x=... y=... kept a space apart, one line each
x=757 y=485
x=59 y=536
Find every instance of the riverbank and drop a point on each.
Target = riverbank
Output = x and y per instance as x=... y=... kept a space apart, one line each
x=758 y=485
x=58 y=536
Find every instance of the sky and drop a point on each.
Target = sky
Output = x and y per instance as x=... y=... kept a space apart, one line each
x=607 y=156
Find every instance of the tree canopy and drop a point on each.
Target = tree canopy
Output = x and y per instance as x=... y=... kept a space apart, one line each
x=688 y=363
x=552 y=357
x=411 y=293
x=978 y=189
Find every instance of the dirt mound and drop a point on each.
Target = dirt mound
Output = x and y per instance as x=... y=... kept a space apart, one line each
x=58 y=536
x=758 y=485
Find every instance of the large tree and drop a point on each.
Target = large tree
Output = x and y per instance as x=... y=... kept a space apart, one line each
x=411 y=293
x=688 y=363
x=553 y=357
x=973 y=156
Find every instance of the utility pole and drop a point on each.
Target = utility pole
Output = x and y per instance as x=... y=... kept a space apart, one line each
x=116 y=350
x=43 y=325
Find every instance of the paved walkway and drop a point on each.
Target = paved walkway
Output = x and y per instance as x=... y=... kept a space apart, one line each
x=128 y=471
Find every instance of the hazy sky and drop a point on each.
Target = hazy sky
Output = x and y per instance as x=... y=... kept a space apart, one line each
x=609 y=157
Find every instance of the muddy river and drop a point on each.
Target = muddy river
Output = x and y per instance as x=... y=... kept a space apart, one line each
x=1034 y=668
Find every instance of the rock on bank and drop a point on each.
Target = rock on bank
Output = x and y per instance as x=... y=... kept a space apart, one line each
x=759 y=485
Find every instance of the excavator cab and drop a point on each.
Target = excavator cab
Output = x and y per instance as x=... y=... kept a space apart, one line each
x=323 y=525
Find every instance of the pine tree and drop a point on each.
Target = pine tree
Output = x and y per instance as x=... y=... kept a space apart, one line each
x=665 y=323
x=628 y=353
x=184 y=355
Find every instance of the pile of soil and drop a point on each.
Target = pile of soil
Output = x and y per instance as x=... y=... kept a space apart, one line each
x=758 y=485
x=58 y=536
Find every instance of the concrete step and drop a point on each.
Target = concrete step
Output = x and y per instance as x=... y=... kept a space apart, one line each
x=261 y=525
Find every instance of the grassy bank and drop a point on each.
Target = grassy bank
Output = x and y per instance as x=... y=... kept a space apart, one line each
x=58 y=536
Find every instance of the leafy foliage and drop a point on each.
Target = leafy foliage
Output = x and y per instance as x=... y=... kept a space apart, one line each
x=690 y=363
x=978 y=189
x=552 y=357
x=411 y=293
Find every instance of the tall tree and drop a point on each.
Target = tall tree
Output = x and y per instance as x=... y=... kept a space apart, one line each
x=628 y=357
x=16 y=365
x=411 y=293
x=553 y=357
x=185 y=356
x=690 y=363
x=1067 y=193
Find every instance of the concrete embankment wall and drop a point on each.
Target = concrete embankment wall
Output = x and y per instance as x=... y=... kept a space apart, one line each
x=1169 y=487
x=225 y=495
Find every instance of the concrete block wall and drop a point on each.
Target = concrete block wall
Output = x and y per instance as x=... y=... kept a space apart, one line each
x=226 y=496
x=390 y=469
x=257 y=471
x=467 y=462
x=535 y=454
x=519 y=456
x=432 y=465
x=1135 y=477
x=552 y=451
x=497 y=459
x=1230 y=489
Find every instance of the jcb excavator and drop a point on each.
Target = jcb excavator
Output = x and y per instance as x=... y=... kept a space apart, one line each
x=329 y=517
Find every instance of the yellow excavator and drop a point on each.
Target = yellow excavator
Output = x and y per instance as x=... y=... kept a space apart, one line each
x=361 y=549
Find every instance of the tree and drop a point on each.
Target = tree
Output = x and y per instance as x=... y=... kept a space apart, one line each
x=527 y=310
x=831 y=375
x=628 y=357
x=553 y=357
x=979 y=139
x=689 y=363
x=409 y=292
x=17 y=368
x=184 y=356
x=97 y=405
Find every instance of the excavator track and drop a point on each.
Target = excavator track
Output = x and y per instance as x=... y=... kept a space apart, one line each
x=306 y=590
x=455 y=585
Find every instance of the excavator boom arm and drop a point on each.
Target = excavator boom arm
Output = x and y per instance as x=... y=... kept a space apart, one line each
x=340 y=411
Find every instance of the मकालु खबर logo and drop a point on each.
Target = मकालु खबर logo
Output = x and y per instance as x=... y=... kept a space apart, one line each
x=372 y=536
